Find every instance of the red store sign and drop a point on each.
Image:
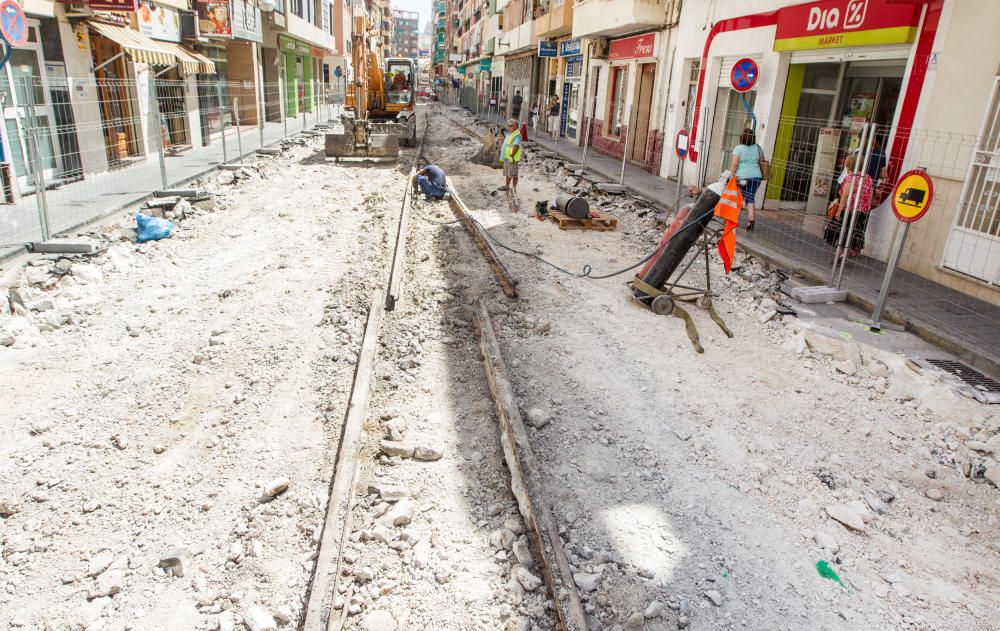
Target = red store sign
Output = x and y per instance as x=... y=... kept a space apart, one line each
x=637 y=47
x=113 y=5
x=840 y=23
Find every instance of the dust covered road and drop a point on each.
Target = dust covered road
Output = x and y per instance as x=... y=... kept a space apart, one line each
x=185 y=376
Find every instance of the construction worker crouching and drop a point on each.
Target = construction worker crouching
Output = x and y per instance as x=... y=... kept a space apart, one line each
x=510 y=155
x=432 y=182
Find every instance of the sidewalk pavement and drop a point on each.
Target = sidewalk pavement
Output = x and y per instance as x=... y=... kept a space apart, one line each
x=958 y=323
x=98 y=195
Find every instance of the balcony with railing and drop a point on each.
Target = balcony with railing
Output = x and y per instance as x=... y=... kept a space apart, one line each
x=597 y=18
x=557 y=20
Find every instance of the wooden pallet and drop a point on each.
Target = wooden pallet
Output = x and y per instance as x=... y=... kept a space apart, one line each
x=598 y=221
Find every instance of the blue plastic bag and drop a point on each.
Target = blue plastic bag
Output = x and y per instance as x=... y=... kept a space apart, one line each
x=151 y=228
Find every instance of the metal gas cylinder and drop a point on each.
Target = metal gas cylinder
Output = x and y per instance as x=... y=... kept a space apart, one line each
x=575 y=207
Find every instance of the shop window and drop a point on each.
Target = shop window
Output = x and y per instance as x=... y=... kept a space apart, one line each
x=821 y=76
x=616 y=109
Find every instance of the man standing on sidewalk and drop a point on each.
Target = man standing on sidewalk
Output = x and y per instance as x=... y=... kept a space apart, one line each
x=515 y=105
x=510 y=155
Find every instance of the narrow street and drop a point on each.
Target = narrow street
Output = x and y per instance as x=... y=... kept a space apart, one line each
x=172 y=414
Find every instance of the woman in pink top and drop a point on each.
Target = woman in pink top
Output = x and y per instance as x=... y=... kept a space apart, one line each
x=863 y=187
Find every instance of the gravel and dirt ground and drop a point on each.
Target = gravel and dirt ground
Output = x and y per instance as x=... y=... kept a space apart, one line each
x=157 y=398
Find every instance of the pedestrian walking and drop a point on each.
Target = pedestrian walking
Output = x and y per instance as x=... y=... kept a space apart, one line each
x=515 y=105
x=861 y=183
x=554 y=117
x=534 y=118
x=746 y=163
x=510 y=155
x=432 y=181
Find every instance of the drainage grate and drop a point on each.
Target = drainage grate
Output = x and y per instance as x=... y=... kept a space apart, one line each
x=967 y=374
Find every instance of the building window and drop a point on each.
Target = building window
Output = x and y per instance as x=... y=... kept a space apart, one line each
x=975 y=238
x=692 y=92
x=616 y=109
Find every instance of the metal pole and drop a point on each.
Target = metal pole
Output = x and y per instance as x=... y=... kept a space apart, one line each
x=156 y=128
x=890 y=269
x=239 y=135
x=701 y=170
x=283 y=97
x=222 y=120
x=586 y=124
x=628 y=130
x=854 y=211
x=35 y=156
x=261 y=94
x=303 y=105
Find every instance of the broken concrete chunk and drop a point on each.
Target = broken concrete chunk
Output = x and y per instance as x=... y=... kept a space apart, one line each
x=587 y=581
x=274 y=488
x=389 y=492
x=175 y=561
x=846 y=516
x=426 y=454
x=528 y=581
x=400 y=514
x=396 y=448
x=257 y=619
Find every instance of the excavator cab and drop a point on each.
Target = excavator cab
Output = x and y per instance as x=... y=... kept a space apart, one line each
x=380 y=101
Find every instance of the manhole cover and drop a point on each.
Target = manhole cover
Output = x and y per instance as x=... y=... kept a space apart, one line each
x=969 y=375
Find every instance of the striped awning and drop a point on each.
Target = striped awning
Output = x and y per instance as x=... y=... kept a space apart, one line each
x=185 y=57
x=139 y=47
x=205 y=65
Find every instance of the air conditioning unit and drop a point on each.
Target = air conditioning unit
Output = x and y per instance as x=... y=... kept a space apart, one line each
x=599 y=49
x=189 y=25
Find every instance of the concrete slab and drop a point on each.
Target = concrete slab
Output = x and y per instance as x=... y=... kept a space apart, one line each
x=594 y=178
x=819 y=293
x=573 y=167
x=176 y=192
x=60 y=246
x=231 y=167
x=613 y=189
x=269 y=151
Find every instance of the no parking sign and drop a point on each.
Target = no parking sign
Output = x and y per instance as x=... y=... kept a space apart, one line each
x=13 y=26
x=744 y=75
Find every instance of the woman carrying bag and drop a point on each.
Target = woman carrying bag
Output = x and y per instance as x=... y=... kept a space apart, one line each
x=751 y=168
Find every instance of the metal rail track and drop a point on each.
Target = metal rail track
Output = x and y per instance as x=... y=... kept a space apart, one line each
x=320 y=614
x=336 y=524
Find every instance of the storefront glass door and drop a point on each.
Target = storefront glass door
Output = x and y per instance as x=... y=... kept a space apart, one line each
x=25 y=65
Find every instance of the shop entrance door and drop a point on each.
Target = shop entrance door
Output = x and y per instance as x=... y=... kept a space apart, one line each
x=118 y=114
x=25 y=65
x=831 y=103
x=641 y=113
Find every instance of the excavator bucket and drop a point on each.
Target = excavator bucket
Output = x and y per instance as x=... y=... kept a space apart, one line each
x=379 y=140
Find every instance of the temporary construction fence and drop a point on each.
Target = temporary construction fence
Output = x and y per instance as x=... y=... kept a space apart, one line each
x=938 y=271
x=80 y=149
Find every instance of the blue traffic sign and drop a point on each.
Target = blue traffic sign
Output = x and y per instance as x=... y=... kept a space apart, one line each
x=13 y=26
x=744 y=75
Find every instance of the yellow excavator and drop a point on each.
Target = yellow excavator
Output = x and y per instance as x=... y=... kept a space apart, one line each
x=379 y=105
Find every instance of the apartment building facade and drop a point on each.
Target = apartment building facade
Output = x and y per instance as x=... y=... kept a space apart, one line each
x=406 y=32
x=98 y=65
x=630 y=74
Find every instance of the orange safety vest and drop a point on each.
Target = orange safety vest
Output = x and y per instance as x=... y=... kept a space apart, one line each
x=728 y=209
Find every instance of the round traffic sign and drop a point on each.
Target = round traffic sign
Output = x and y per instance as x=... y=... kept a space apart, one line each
x=744 y=75
x=13 y=26
x=681 y=143
x=912 y=195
